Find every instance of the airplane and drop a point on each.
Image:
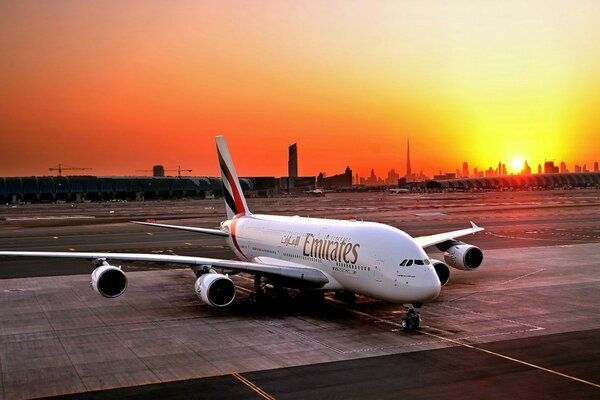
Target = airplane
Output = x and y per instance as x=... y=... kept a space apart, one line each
x=398 y=190
x=316 y=192
x=311 y=254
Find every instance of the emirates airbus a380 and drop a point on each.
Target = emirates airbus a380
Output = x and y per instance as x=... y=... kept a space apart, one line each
x=312 y=254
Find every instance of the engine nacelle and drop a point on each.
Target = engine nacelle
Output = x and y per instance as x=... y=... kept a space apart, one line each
x=108 y=281
x=463 y=256
x=442 y=271
x=215 y=289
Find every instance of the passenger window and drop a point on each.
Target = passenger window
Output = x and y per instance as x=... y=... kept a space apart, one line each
x=409 y=263
x=419 y=262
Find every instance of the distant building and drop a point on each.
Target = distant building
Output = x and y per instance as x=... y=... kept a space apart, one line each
x=563 y=167
x=577 y=168
x=336 y=181
x=447 y=175
x=408 y=170
x=526 y=169
x=596 y=167
x=550 y=168
x=392 y=178
x=293 y=161
x=292 y=166
x=373 y=180
x=158 y=171
x=465 y=171
x=539 y=168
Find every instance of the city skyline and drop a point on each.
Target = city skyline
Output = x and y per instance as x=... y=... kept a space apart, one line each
x=118 y=87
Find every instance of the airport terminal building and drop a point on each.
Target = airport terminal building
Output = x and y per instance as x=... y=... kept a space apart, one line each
x=94 y=188
x=539 y=181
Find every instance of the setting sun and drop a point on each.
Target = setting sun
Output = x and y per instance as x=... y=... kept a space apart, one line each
x=517 y=164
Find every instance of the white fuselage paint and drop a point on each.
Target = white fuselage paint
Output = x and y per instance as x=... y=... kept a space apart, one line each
x=361 y=257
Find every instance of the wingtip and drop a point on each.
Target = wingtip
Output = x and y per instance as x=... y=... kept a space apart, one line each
x=474 y=226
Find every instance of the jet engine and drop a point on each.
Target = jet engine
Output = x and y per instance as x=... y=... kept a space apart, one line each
x=108 y=281
x=215 y=289
x=442 y=271
x=463 y=256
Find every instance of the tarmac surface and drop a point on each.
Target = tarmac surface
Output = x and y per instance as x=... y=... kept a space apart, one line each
x=526 y=324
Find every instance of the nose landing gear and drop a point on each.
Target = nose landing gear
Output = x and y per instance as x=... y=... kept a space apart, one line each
x=412 y=320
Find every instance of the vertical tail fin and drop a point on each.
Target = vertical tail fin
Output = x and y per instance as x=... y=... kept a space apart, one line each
x=235 y=203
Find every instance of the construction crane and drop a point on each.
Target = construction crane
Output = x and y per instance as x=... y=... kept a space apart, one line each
x=60 y=169
x=179 y=170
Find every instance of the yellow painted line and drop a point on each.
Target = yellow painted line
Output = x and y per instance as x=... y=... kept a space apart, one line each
x=493 y=353
x=458 y=342
x=188 y=244
x=252 y=386
x=149 y=233
x=55 y=237
x=71 y=248
x=101 y=389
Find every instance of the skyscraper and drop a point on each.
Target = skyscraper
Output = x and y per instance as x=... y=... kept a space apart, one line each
x=293 y=161
x=465 y=172
x=596 y=166
x=408 y=171
x=563 y=167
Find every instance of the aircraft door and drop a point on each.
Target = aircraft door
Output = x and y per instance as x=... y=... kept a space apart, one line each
x=378 y=271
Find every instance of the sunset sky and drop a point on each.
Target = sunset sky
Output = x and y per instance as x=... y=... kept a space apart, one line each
x=119 y=86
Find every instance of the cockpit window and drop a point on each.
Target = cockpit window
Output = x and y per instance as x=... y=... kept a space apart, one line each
x=409 y=263
x=403 y=263
x=419 y=262
x=426 y=261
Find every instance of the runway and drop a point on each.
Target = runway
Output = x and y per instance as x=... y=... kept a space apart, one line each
x=525 y=325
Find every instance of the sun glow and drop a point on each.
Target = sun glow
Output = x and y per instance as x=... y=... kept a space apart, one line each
x=517 y=164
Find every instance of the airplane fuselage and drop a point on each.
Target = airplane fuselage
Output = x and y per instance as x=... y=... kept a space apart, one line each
x=361 y=257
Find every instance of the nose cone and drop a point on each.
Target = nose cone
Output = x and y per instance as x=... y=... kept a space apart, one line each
x=428 y=286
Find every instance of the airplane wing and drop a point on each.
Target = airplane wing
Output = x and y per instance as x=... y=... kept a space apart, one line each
x=426 y=241
x=299 y=273
x=216 y=232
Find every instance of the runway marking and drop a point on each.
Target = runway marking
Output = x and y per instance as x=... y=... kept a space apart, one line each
x=516 y=360
x=461 y=343
x=523 y=276
x=252 y=386
x=533 y=327
x=480 y=349
x=503 y=283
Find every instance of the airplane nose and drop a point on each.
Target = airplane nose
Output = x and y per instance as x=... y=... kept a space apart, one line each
x=429 y=287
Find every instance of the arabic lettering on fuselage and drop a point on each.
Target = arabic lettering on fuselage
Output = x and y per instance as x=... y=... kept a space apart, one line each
x=290 y=240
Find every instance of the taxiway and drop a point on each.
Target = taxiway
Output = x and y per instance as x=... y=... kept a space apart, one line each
x=525 y=325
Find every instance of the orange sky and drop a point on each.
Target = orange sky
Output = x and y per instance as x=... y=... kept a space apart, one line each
x=121 y=86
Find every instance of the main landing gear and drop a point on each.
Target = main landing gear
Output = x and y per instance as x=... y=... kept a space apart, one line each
x=412 y=320
x=267 y=293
